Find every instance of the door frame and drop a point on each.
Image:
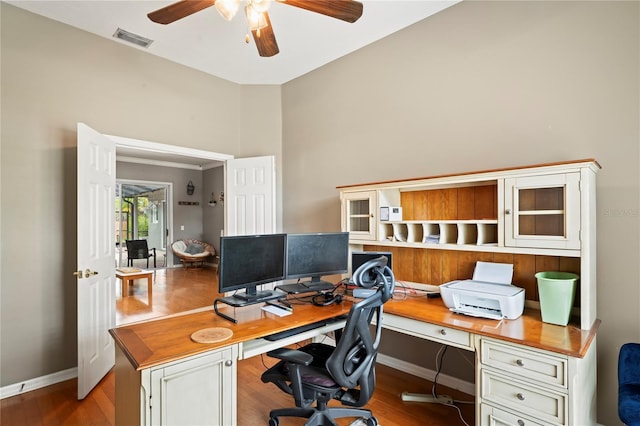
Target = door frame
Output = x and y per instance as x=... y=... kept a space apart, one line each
x=168 y=187
x=156 y=147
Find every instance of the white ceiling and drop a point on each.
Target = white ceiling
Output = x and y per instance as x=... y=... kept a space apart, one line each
x=206 y=42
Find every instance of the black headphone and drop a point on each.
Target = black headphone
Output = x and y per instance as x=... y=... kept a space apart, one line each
x=326 y=299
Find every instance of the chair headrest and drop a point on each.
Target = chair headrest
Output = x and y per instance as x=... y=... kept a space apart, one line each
x=376 y=273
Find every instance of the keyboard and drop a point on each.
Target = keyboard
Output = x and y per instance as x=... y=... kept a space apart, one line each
x=297 y=330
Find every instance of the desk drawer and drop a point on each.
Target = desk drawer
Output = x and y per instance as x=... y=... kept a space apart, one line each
x=492 y=416
x=529 y=363
x=540 y=403
x=424 y=330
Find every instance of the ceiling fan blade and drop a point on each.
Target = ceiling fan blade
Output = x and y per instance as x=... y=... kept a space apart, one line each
x=179 y=10
x=265 y=39
x=346 y=10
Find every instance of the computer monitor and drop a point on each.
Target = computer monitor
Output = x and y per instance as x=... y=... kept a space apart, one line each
x=316 y=255
x=247 y=261
x=359 y=258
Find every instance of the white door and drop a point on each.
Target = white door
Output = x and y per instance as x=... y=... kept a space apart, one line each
x=96 y=261
x=249 y=197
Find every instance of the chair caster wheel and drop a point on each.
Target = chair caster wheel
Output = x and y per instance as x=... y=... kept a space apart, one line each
x=273 y=421
x=372 y=421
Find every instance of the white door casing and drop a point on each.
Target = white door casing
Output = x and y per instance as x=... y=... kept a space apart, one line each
x=96 y=168
x=249 y=196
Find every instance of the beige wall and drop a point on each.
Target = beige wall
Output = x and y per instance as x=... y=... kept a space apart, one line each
x=480 y=85
x=54 y=76
x=485 y=85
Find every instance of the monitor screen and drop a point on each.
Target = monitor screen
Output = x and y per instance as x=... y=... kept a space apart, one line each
x=317 y=255
x=359 y=258
x=250 y=260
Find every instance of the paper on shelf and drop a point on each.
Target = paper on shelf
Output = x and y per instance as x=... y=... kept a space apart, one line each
x=277 y=311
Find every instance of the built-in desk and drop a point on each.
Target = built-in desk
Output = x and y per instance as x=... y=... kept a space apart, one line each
x=528 y=372
x=163 y=377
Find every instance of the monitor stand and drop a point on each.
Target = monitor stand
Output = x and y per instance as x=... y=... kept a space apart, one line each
x=306 y=287
x=240 y=300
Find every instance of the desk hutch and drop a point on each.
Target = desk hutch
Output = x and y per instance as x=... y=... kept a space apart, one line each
x=538 y=218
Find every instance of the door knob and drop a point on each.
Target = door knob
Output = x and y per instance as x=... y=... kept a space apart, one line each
x=88 y=272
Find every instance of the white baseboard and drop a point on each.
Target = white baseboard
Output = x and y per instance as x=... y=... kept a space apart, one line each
x=38 y=382
x=425 y=373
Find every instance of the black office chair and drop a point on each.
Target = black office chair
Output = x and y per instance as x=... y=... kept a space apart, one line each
x=346 y=372
x=138 y=249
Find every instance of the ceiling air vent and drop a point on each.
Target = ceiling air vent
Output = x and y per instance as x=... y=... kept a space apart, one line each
x=132 y=38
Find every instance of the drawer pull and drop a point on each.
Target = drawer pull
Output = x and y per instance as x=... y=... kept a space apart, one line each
x=520 y=363
x=443 y=332
x=520 y=422
x=520 y=396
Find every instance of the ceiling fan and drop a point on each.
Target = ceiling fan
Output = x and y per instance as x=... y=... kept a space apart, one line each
x=256 y=12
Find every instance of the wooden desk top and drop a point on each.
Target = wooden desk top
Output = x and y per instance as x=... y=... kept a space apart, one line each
x=526 y=330
x=152 y=343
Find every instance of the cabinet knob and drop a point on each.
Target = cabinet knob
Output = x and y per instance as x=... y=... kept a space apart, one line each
x=520 y=396
x=228 y=363
x=507 y=211
x=520 y=363
x=520 y=422
x=443 y=332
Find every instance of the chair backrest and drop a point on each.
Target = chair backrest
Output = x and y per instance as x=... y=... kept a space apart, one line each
x=137 y=249
x=352 y=363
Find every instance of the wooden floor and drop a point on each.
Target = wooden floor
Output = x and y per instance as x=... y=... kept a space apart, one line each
x=178 y=290
x=174 y=290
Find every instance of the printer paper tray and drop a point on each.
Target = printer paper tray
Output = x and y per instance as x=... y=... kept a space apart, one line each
x=479 y=314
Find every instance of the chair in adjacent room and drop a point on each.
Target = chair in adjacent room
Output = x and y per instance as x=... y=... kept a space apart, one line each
x=629 y=384
x=192 y=252
x=139 y=249
x=319 y=373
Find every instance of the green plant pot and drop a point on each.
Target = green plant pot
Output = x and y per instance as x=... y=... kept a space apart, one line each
x=557 y=291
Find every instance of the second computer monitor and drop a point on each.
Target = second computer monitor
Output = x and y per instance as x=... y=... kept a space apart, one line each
x=316 y=255
x=359 y=258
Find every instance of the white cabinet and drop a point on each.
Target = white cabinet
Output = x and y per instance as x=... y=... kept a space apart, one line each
x=198 y=390
x=544 y=214
x=543 y=211
x=359 y=216
x=520 y=385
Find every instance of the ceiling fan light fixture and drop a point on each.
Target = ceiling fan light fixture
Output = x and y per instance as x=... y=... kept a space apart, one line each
x=255 y=19
x=260 y=5
x=227 y=8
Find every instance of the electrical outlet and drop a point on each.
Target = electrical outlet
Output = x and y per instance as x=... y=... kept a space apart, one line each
x=182 y=227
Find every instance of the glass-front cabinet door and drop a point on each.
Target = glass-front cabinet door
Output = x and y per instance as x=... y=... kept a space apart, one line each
x=543 y=211
x=359 y=218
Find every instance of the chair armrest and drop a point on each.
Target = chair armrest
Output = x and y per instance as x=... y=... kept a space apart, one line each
x=291 y=355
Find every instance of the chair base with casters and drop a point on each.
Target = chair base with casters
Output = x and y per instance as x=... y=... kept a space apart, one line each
x=629 y=384
x=320 y=373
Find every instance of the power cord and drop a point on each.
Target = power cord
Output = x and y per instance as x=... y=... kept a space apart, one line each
x=434 y=392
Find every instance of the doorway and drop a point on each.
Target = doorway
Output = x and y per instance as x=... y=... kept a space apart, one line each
x=142 y=212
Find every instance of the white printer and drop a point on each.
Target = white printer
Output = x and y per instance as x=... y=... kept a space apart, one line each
x=489 y=294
